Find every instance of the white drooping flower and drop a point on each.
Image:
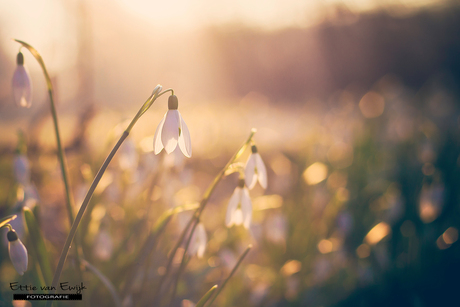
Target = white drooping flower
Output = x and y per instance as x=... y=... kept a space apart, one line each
x=239 y=209
x=22 y=86
x=17 y=252
x=198 y=241
x=255 y=170
x=21 y=169
x=172 y=130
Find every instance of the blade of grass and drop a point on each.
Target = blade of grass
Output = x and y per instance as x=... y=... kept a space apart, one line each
x=108 y=284
x=206 y=297
x=38 y=245
x=231 y=274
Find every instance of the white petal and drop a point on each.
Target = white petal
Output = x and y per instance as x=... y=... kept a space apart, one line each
x=246 y=208
x=185 y=143
x=250 y=175
x=232 y=205
x=261 y=171
x=22 y=87
x=238 y=217
x=201 y=239
x=18 y=256
x=157 y=144
x=170 y=132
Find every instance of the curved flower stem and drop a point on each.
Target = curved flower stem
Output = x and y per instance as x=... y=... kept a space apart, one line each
x=231 y=274
x=69 y=202
x=196 y=217
x=89 y=194
x=49 y=85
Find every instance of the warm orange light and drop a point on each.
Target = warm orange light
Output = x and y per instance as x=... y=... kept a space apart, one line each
x=325 y=246
x=377 y=233
x=315 y=173
x=450 y=236
x=363 y=251
x=291 y=267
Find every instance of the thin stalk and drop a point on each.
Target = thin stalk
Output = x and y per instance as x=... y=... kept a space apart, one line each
x=231 y=274
x=62 y=164
x=108 y=284
x=89 y=194
x=73 y=230
x=49 y=84
x=204 y=201
x=170 y=260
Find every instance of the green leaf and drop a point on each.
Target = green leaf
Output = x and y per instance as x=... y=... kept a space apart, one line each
x=206 y=297
x=5 y=220
x=38 y=244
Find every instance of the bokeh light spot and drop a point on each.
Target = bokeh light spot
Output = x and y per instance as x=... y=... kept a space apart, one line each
x=372 y=105
x=377 y=233
x=315 y=173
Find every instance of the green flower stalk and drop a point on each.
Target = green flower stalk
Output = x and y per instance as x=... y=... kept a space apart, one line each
x=147 y=104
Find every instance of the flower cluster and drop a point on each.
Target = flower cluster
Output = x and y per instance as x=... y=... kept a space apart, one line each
x=239 y=210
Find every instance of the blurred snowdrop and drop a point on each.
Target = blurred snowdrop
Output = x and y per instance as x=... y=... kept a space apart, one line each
x=22 y=85
x=21 y=169
x=172 y=130
x=239 y=209
x=127 y=155
x=17 y=252
x=255 y=170
x=198 y=242
x=103 y=245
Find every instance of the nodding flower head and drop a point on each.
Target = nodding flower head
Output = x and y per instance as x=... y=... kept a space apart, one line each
x=17 y=251
x=172 y=130
x=255 y=170
x=239 y=210
x=22 y=86
x=198 y=241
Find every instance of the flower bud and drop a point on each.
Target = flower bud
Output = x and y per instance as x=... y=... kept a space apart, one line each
x=22 y=86
x=17 y=252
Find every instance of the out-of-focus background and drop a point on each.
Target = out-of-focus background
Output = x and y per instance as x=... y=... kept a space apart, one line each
x=356 y=103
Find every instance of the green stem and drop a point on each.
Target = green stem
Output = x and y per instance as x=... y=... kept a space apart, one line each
x=61 y=157
x=93 y=186
x=73 y=230
x=108 y=284
x=198 y=212
x=49 y=85
x=231 y=274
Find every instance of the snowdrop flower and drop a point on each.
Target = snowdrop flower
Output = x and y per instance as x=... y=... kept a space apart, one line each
x=21 y=169
x=17 y=251
x=255 y=170
x=172 y=130
x=22 y=86
x=239 y=209
x=198 y=242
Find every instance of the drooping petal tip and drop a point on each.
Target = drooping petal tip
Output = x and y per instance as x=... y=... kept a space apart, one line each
x=185 y=142
x=170 y=131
